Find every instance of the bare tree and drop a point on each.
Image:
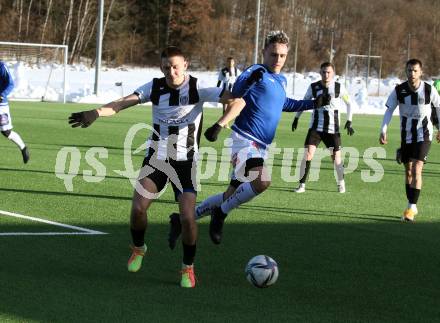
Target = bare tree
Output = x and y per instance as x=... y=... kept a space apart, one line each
x=170 y=21
x=83 y=20
x=87 y=34
x=66 y=35
x=27 y=18
x=107 y=17
x=49 y=7
x=20 y=17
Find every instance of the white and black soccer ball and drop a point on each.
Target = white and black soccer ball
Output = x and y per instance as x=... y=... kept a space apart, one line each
x=262 y=271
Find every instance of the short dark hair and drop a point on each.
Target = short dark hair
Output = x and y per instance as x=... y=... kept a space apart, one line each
x=327 y=64
x=171 y=51
x=276 y=36
x=414 y=61
x=230 y=58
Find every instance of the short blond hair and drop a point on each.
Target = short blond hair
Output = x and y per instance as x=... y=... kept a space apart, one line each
x=276 y=36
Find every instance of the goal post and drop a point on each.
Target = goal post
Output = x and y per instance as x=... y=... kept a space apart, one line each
x=365 y=67
x=35 y=55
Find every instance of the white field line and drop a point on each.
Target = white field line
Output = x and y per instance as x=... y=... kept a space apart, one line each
x=82 y=231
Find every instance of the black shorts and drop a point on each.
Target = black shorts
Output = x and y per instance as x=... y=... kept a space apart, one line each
x=186 y=174
x=418 y=151
x=331 y=140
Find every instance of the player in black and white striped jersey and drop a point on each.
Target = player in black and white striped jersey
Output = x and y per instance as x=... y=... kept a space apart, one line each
x=172 y=150
x=177 y=116
x=414 y=98
x=227 y=77
x=324 y=124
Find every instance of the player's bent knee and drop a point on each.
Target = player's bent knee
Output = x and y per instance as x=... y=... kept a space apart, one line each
x=6 y=133
x=138 y=210
x=261 y=186
x=187 y=220
x=266 y=184
x=235 y=183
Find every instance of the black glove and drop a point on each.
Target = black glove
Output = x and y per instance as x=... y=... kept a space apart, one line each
x=399 y=156
x=83 y=119
x=212 y=132
x=256 y=76
x=295 y=124
x=350 y=130
x=322 y=100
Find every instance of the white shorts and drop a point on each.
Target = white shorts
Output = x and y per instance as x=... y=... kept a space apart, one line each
x=242 y=150
x=5 y=117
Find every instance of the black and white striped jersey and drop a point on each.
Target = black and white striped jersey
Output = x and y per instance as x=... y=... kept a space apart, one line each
x=415 y=111
x=177 y=116
x=227 y=76
x=326 y=119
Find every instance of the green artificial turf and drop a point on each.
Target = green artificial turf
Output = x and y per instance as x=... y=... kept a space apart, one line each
x=342 y=257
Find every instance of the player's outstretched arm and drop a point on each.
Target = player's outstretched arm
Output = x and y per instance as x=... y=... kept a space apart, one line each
x=84 y=119
x=233 y=109
x=291 y=105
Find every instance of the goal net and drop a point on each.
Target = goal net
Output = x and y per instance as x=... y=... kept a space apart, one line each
x=48 y=81
x=363 y=72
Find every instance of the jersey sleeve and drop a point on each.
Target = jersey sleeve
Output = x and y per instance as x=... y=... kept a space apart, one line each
x=392 y=100
x=144 y=92
x=435 y=101
x=435 y=98
x=246 y=80
x=391 y=105
x=9 y=83
x=210 y=94
x=307 y=96
x=291 y=105
x=349 y=103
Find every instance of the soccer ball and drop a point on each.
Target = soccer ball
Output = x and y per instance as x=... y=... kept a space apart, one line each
x=262 y=271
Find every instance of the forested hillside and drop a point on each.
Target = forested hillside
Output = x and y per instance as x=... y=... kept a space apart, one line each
x=209 y=30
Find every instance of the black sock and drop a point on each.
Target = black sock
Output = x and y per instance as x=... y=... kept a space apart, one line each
x=407 y=188
x=220 y=213
x=306 y=172
x=189 y=253
x=138 y=237
x=416 y=194
x=410 y=195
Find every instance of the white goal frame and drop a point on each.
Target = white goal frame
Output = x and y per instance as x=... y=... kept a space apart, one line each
x=66 y=50
x=368 y=68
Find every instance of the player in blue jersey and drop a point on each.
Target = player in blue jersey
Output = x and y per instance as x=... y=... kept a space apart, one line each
x=260 y=98
x=6 y=86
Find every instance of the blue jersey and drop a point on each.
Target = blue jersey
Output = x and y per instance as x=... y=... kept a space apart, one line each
x=265 y=95
x=6 y=82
